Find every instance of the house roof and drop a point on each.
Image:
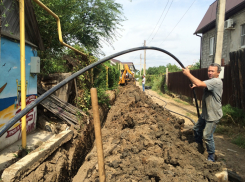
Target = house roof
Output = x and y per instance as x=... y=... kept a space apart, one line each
x=209 y=19
x=11 y=25
x=115 y=61
x=129 y=64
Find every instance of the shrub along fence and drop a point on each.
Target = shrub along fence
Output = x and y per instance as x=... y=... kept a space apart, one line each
x=233 y=82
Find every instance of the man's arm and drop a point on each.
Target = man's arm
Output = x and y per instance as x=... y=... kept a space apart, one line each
x=196 y=82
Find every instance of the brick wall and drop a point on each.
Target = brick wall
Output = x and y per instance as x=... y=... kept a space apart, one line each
x=207 y=59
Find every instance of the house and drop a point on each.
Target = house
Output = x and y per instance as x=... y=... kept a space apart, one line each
x=10 y=92
x=130 y=65
x=234 y=32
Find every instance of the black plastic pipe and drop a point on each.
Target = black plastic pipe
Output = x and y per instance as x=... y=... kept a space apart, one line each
x=17 y=117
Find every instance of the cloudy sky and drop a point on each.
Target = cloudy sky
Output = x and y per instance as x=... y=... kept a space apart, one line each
x=168 y=24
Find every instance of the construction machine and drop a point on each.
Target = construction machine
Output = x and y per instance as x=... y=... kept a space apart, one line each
x=126 y=76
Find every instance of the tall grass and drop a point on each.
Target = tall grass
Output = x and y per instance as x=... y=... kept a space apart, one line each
x=233 y=115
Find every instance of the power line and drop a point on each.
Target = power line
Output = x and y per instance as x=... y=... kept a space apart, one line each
x=179 y=20
x=158 y=20
x=161 y=23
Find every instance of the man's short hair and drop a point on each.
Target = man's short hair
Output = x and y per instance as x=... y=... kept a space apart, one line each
x=217 y=65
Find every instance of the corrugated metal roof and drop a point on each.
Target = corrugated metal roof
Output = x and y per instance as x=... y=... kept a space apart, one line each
x=208 y=21
x=10 y=22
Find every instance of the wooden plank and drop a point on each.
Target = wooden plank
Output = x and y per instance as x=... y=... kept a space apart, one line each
x=63 y=110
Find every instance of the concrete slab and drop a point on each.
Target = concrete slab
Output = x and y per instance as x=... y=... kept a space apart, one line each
x=34 y=140
x=33 y=159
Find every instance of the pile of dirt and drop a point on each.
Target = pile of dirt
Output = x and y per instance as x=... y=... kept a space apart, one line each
x=64 y=163
x=144 y=142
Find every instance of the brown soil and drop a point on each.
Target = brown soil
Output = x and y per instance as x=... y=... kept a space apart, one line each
x=143 y=142
x=64 y=163
x=226 y=152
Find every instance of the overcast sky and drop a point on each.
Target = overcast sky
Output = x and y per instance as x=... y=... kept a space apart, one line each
x=144 y=22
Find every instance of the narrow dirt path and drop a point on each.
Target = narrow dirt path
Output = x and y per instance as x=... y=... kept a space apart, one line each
x=228 y=153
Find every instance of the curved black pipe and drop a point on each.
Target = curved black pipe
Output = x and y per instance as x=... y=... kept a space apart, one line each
x=16 y=118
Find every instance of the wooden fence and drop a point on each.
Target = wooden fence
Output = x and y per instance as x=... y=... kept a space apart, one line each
x=238 y=78
x=233 y=82
x=179 y=84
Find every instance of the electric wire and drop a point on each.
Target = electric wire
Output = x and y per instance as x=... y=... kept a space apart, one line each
x=179 y=21
x=158 y=21
x=161 y=22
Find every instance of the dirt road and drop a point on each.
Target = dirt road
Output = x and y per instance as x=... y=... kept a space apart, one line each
x=228 y=153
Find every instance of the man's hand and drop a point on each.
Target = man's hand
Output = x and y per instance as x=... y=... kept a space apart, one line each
x=186 y=71
x=193 y=86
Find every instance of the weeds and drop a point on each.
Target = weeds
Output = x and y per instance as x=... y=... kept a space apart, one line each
x=232 y=124
x=180 y=101
x=239 y=140
x=233 y=115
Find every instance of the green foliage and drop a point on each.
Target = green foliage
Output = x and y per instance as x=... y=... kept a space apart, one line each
x=173 y=68
x=103 y=98
x=83 y=22
x=100 y=76
x=16 y=156
x=53 y=65
x=239 y=140
x=233 y=115
x=156 y=70
x=195 y=66
x=158 y=82
x=149 y=80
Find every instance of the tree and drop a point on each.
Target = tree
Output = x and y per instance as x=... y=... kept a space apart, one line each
x=195 y=66
x=86 y=23
x=156 y=70
x=173 y=68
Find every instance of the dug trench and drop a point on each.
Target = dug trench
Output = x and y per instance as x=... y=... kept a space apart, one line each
x=142 y=142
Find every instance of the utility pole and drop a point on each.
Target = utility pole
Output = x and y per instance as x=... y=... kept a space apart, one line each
x=144 y=57
x=220 y=30
x=140 y=65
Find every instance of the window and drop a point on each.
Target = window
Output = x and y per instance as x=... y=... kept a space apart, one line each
x=243 y=35
x=211 y=46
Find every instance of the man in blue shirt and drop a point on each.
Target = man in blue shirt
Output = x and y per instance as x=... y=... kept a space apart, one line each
x=211 y=107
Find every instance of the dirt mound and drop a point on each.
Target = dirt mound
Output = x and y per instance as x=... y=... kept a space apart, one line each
x=64 y=163
x=144 y=142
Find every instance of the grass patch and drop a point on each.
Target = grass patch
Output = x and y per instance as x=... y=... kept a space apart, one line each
x=180 y=101
x=239 y=140
x=220 y=129
x=233 y=116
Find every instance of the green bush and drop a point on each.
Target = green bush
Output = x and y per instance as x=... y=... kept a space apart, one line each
x=239 y=140
x=100 y=76
x=233 y=115
x=157 y=83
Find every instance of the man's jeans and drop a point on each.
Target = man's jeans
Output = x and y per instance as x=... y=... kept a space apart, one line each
x=143 y=87
x=204 y=130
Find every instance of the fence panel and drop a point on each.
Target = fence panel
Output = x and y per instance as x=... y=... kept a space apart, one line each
x=179 y=84
x=237 y=61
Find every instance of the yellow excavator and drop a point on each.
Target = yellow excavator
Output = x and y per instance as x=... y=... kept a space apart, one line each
x=126 y=76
